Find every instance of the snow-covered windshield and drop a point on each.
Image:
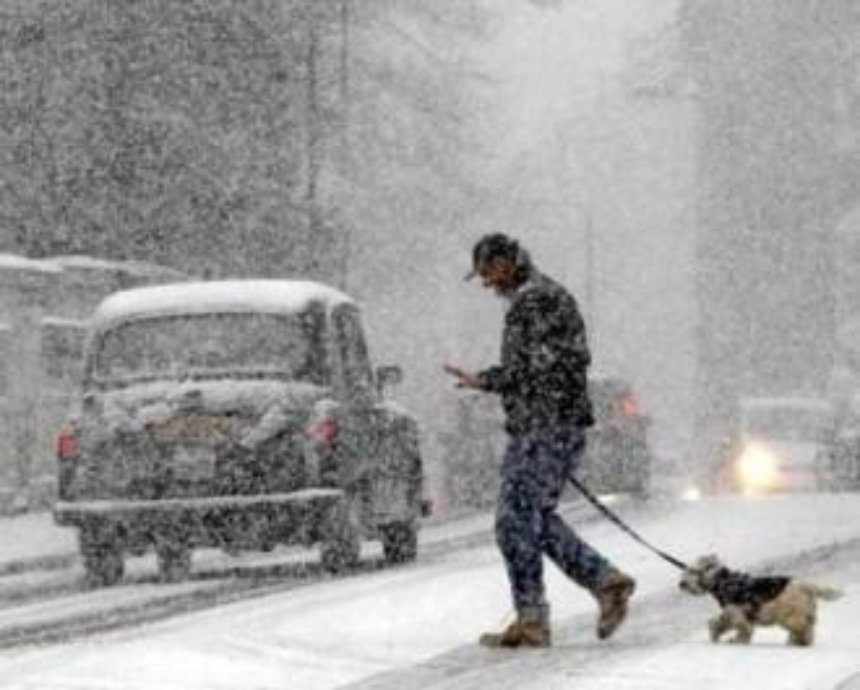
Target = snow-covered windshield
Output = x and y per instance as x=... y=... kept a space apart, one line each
x=212 y=343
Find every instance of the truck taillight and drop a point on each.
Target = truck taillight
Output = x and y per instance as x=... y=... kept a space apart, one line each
x=67 y=444
x=630 y=407
x=324 y=431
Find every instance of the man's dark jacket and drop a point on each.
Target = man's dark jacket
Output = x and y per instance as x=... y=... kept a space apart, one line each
x=542 y=375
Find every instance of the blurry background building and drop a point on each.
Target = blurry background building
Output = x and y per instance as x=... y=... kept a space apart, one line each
x=777 y=84
x=43 y=309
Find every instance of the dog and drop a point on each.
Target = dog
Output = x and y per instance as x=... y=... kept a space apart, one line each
x=746 y=601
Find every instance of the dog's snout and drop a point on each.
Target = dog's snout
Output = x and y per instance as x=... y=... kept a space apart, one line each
x=690 y=584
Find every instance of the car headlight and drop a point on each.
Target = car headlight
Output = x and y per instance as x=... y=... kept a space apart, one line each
x=757 y=468
x=691 y=494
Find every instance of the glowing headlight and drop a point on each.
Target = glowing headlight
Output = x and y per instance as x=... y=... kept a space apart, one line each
x=691 y=494
x=757 y=468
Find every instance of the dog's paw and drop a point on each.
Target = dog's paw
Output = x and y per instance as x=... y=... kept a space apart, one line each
x=715 y=630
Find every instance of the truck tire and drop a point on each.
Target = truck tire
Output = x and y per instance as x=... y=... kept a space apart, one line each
x=399 y=542
x=174 y=560
x=101 y=555
x=340 y=546
x=641 y=473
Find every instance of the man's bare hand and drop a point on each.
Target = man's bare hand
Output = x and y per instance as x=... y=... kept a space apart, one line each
x=465 y=379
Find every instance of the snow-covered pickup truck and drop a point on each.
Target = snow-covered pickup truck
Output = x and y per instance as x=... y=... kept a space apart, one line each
x=239 y=415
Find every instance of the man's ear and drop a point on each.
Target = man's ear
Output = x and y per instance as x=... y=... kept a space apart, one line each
x=522 y=258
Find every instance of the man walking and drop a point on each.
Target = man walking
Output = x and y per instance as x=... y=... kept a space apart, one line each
x=542 y=383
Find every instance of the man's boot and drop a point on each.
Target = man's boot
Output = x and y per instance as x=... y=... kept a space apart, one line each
x=530 y=629
x=612 y=595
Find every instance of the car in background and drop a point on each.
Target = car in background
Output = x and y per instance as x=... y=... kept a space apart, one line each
x=238 y=415
x=780 y=444
x=618 y=457
x=841 y=463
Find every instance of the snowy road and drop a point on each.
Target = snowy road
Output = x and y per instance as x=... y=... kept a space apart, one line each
x=44 y=599
x=416 y=626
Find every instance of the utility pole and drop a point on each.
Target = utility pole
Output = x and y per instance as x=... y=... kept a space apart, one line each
x=345 y=232
x=312 y=125
x=312 y=134
x=590 y=275
x=345 y=47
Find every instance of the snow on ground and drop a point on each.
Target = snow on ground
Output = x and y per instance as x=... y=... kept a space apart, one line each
x=767 y=664
x=345 y=631
x=33 y=536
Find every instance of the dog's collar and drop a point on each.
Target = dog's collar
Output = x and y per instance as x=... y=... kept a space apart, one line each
x=719 y=576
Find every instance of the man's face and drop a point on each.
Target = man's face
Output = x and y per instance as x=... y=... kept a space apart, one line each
x=499 y=275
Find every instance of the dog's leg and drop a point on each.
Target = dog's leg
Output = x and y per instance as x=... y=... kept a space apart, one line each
x=801 y=630
x=718 y=625
x=802 y=638
x=744 y=634
x=742 y=625
x=801 y=618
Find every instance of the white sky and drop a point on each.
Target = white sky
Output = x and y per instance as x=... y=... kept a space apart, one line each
x=550 y=63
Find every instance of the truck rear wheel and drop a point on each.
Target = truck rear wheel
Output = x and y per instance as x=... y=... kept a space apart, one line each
x=399 y=542
x=340 y=547
x=102 y=557
x=174 y=560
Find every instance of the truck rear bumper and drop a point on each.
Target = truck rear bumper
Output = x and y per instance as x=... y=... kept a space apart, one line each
x=124 y=510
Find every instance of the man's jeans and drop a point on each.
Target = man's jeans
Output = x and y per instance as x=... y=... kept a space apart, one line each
x=534 y=471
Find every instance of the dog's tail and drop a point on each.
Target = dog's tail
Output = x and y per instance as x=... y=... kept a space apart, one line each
x=823 y=591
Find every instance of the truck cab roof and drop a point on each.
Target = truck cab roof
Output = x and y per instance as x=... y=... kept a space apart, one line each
x=233 y=296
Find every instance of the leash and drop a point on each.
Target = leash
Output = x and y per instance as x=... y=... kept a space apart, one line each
x=618 y=521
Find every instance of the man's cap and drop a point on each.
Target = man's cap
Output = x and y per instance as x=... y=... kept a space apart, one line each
x=491 y=247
